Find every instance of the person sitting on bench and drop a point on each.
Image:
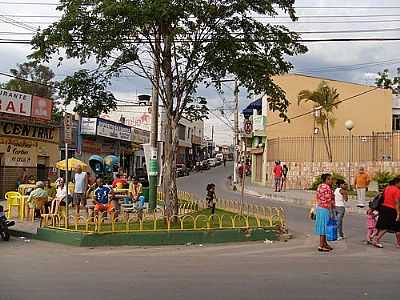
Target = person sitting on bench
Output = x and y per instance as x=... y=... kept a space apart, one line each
x=102 y=197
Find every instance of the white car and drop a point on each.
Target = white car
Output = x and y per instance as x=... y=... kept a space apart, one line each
x=212 y=162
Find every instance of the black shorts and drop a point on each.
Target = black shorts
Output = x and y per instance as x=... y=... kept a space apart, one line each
x=387 y=219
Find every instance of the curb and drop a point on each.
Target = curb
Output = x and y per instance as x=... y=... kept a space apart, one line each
x=279 y=197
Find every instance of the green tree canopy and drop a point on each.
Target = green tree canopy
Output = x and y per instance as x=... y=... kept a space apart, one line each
x=35 y=79
x=386 y=81
x=177 y=45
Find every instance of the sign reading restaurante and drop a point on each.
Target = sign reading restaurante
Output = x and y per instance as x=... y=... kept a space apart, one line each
x=15 y=103
x=21 y=104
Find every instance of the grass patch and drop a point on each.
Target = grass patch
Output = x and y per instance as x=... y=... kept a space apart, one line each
x=195 y=220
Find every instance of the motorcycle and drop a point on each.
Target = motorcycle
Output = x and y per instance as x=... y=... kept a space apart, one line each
x=4 y=224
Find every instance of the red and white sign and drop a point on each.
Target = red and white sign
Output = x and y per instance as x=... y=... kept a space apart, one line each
x=15 y=103
x=41 y=108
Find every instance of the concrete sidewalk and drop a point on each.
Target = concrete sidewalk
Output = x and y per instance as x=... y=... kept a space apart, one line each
x=301 y=198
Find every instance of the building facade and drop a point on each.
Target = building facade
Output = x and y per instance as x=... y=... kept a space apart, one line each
x=300 y=142
x=29 y=139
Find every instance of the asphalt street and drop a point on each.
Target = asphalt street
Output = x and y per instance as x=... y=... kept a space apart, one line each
x=257 y=270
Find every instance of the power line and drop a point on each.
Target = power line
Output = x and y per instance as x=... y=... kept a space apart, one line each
x=333 y=104
x=347 y=7
x=255 y=17
x=300 y=32
x=29 y=3
x=367 y=64
x=372 y=39
x=49 y=86
x=283 y=22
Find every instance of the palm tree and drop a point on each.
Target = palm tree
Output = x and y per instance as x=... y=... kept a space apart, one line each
x=325 y=101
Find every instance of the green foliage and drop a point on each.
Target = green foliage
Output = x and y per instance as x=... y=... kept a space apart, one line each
x=192 y=41
x=386 y=81
x=188 y=43
x=318 y=180
x=383 y=178
x=88 y=91
x=35 y=79
x=325 y=101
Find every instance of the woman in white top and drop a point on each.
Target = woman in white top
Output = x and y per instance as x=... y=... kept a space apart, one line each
x=341 y=197
x=60 y=196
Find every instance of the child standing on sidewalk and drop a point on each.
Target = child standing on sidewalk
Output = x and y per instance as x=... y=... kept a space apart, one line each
x=371 y=222
x=211 y=198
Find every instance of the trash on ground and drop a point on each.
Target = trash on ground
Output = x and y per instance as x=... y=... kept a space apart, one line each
x=189 y=244
x=267 y=241
x=201 y=245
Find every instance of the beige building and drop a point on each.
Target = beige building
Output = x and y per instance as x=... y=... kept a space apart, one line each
x=371 y=111
x=301 y=145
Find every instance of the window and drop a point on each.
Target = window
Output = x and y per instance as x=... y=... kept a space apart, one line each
x=396 y=122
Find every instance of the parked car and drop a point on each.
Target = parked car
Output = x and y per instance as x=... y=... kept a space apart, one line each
x=219 y=156
x=181 y=170
x=205 y=165
x=212 y=162
x=141 y=174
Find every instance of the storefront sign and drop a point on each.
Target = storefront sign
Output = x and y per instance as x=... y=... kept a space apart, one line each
x=25 y=130
x=140 y=136
x=91 y=146
x=20 y=156
x=41 y=108
x=113 y=130
x=15 y=103
x=258 y=123
x=88 y=126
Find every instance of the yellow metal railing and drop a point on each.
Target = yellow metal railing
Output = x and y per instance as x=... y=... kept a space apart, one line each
x=256 y=216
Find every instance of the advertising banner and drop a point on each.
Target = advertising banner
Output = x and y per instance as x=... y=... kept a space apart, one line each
x=20 y=155
x=88 y=126
x=15 y=103
x=41 y=108
x=113 y=130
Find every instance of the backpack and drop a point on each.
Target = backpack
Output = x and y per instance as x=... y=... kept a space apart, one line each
x=376 y=202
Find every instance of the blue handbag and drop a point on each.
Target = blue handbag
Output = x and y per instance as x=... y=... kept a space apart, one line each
x=331 y=230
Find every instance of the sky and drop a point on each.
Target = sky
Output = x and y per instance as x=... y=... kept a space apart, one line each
x=356 y=62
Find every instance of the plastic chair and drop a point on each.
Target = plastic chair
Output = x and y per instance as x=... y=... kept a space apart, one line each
x=15 y=200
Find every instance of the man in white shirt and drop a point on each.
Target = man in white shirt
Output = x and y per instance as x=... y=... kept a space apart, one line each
x=81 y=183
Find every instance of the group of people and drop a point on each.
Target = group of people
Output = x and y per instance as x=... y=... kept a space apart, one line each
x=330 y=203
x=86 y=187
x=281 y=171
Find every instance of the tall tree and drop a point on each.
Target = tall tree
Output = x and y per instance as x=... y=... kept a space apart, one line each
x=386 y=81
x=325 y=101
x=186 y=43
x=35 y=79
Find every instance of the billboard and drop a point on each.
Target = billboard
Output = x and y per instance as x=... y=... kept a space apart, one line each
x=15 y=103
x=41 y=108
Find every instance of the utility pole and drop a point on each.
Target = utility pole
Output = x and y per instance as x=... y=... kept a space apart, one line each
x=212 y=141
x=236 y=121
x=153 y=176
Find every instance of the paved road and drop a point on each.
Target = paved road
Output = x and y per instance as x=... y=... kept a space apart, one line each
x=292 y=270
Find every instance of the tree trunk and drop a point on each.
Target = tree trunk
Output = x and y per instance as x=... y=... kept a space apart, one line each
x=329 y=141
x=169 y=186
x=324 y=137
x=171 y=142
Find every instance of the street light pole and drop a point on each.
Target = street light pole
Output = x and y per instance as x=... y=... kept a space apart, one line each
x=349 y=126
x=236 y=121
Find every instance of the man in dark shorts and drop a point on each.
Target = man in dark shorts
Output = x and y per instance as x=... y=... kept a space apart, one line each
x=81 y=183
